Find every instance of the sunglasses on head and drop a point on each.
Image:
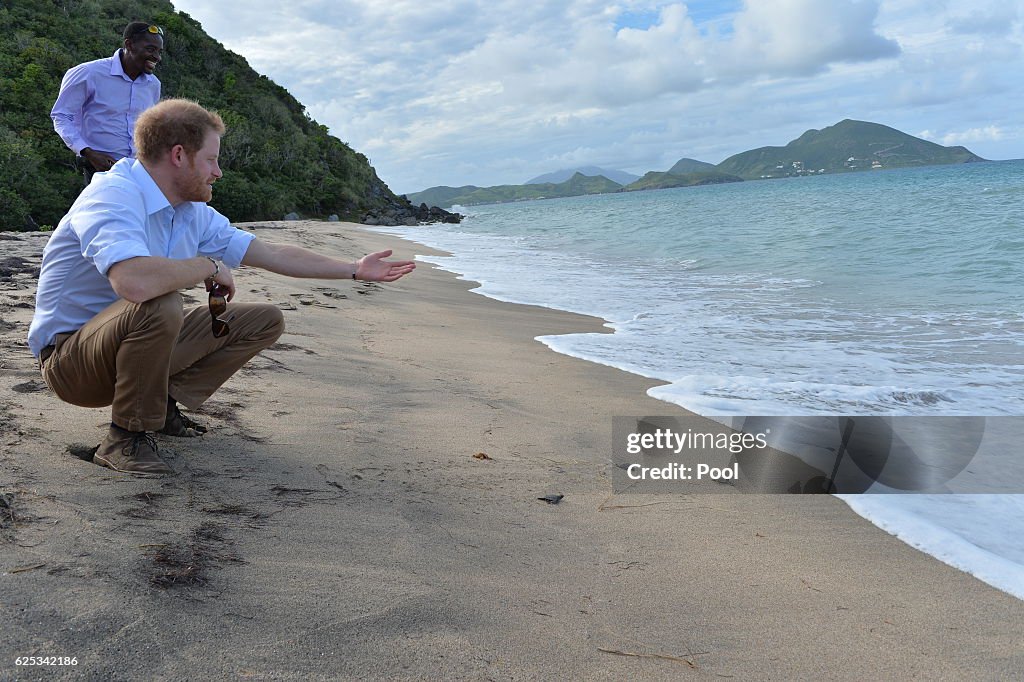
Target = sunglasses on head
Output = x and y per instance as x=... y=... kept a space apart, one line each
x=154 y=29
x=218 y=306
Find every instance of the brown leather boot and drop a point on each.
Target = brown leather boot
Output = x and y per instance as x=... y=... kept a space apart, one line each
x=133 y=452
x=177 y=424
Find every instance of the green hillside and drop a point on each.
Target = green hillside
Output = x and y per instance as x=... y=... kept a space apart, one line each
x=846 y=146
x=276 y=158
x=577 y=185
x=443 y=196
x=683 y=166
x=656 y=180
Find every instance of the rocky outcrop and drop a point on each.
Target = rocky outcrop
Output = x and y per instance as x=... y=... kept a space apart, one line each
x=401 y=211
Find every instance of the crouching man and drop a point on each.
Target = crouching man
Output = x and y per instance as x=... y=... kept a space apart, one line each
x=109 y=325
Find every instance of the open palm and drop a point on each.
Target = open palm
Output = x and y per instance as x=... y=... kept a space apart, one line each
x=372 y=267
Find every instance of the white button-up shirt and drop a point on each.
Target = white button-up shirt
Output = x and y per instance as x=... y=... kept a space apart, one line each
x=98 y=105
x=122 y=214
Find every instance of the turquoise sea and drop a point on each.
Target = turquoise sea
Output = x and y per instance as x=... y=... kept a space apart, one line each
x=887 y=292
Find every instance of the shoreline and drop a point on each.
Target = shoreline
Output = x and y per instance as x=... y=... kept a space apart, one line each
x=921 y=532
x=603 y=325
x=336 y=522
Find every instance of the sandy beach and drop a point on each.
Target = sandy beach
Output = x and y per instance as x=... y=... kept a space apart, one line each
x=339 y=522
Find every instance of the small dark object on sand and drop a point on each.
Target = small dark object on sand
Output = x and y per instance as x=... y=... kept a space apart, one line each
x=551 y=499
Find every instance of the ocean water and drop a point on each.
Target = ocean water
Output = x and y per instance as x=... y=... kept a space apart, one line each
x=894 y=292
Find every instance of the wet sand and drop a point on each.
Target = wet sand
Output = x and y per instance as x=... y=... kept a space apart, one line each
x=338 y=522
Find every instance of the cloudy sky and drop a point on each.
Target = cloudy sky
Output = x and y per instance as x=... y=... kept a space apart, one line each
x=465 y=92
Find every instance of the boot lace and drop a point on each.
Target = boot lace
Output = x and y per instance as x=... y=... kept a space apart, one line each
x=132 y=448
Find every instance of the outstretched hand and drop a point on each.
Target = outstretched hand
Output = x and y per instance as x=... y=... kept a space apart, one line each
x=372 y=268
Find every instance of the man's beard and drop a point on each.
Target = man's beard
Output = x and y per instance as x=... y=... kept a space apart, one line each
x=194 y=187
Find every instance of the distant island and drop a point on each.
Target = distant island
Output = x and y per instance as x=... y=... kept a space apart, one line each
x=846 y=147
x=469 y=195
x=621 y=177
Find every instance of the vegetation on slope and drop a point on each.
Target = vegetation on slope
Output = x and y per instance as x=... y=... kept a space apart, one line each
x=656 y=180
x=276 y=158
x=847 y=146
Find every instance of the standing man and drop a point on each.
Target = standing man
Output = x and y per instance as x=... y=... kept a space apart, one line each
x=109 y=327
x=100 y=101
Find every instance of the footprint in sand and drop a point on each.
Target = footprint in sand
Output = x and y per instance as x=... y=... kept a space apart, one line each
x=290 y=346
x=367 y=288
x=330 y=293
x=308 y=299
x=31 y=386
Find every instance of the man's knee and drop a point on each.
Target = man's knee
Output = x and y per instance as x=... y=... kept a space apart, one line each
x=274 y=322
x=261 y=323
x=165 y=312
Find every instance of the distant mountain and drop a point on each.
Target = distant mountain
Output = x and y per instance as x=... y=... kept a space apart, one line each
x=470 y=195
x=621 y=177
x=847 y=146
x=691 y=166
x=655 y=180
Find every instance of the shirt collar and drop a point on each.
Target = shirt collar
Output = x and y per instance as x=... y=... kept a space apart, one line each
x=152 y=195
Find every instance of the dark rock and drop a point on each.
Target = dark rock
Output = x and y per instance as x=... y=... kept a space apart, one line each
x=401 y=211
x=13 y=265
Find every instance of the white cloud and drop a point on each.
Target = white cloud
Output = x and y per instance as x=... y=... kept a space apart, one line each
x=802 y=37
x=464 y=92
x=995 y=20
x=597 y=65
x=989 y=133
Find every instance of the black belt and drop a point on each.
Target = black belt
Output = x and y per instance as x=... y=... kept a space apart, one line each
x=58 y=339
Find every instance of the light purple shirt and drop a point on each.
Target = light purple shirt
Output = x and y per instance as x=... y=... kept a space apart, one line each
x=98 y=105
x=120 y=215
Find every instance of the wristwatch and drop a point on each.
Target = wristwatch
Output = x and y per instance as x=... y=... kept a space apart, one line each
x=216 y=268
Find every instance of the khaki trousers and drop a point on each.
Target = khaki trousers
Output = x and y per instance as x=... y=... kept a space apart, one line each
x=131 y=356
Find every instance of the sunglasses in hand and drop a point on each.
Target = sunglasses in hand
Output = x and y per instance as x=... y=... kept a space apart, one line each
x=218 y=306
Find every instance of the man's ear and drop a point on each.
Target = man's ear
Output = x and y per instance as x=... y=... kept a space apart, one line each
x=127 y=45
x=178 y=156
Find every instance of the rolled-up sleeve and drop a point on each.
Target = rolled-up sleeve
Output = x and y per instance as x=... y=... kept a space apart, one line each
x=67 y=110
x=222 y=240
x=111 y=230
